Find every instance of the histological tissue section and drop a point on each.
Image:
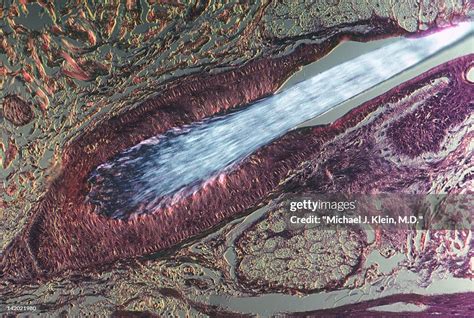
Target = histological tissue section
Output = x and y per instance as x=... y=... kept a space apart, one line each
x=83 y=83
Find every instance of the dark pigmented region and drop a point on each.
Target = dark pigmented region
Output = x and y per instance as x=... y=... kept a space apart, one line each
x=17 y=111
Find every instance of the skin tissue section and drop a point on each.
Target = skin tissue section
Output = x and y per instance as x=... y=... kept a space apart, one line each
x=263 y=261
x=92 y=80
x=78 y=69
